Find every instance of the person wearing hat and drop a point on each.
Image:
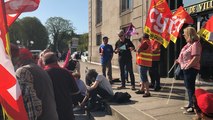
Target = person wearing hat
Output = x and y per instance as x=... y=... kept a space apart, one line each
x=123 y=47
x=64 y=86
x=203 y=104
x=106 y=53
x=36 y=86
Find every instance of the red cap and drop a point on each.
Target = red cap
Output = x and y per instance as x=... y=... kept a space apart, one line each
x=204 y=101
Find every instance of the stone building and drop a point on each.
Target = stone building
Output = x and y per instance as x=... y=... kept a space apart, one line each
x=107 y=17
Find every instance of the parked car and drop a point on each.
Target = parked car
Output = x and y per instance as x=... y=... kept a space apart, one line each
x=84 y=56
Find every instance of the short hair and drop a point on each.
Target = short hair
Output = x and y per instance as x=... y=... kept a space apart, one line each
x=91 y=76
x=145 y=35
x=105 y=37
x=49 y=58
x=121 y=32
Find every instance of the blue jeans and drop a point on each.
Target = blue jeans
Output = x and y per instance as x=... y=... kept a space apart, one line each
x=189 y=82
x=143 y=73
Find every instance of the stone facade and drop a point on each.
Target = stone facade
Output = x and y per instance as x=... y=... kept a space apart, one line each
x=112 y=21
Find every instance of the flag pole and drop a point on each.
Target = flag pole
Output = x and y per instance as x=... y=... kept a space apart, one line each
x=172 y=67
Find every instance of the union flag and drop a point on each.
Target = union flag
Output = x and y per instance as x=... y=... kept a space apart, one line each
x=157 y=22
x=10 y=93
x=178 y=19
x=15 y=7
x=206 y=32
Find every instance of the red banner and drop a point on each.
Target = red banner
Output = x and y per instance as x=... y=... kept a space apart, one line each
x=206 y=32
x=157 y=22
x=10 y=93
x=178 y=19
x=15 y=7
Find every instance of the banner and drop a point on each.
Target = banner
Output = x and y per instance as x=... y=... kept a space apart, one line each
x=206 y=32
x=15 y=7
x=178 y=19
x=157 y=22
x=131 y=30
x=10 y=93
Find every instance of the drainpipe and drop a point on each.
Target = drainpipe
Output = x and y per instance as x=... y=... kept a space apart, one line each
x=91 y=30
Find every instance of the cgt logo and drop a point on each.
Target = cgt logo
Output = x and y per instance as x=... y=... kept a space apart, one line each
x=163 y=24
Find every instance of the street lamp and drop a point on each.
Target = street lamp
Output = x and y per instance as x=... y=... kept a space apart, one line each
x=18 y=42
x=31 y=42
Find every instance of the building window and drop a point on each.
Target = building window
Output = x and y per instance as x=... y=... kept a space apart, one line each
x=98 y=39
x=98 y=11
x=125 y=5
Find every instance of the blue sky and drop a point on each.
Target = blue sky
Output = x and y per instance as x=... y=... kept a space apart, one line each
x=74 y=10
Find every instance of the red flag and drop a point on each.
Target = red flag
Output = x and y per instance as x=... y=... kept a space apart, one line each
x=206 y=32
x=15 y=7
x=10 y=93
x=131 y=30
x=178 y=19
x=157 y=21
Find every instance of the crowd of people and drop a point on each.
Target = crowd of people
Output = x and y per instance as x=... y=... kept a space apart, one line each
x=51 y=91
x=148 y=59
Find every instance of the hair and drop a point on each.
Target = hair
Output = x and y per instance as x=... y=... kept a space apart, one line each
x=121 y=32
x=44 y=52
x=91 y=76
x=76 y=75
x=191 y=33
x=145 y=35
x=49 y=58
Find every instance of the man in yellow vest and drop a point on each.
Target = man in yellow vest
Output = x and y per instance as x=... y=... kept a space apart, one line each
x=153 y=71
x=144 y=60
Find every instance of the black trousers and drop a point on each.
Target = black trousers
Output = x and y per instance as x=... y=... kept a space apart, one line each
x=128 y=64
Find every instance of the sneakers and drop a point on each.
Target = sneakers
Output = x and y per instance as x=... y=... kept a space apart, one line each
x=147 y=95
x=184 y=108
x=190 y=110
x=139 y=92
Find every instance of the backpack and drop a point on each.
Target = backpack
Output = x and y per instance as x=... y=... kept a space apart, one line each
x=72 y=64
x=121 y=97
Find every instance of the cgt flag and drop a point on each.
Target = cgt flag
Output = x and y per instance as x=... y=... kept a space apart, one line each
x=15 y=7
x=206 y=32
x=10 y=93
x=178 y=19
x=158 y=21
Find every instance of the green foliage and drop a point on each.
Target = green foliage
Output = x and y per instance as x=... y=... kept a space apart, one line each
x=83 y=42
x=60 y=31
x=29 y=29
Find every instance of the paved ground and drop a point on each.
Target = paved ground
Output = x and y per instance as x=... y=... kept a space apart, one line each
x=163 y=105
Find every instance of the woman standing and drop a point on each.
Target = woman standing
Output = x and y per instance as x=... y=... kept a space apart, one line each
x=189 y=60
